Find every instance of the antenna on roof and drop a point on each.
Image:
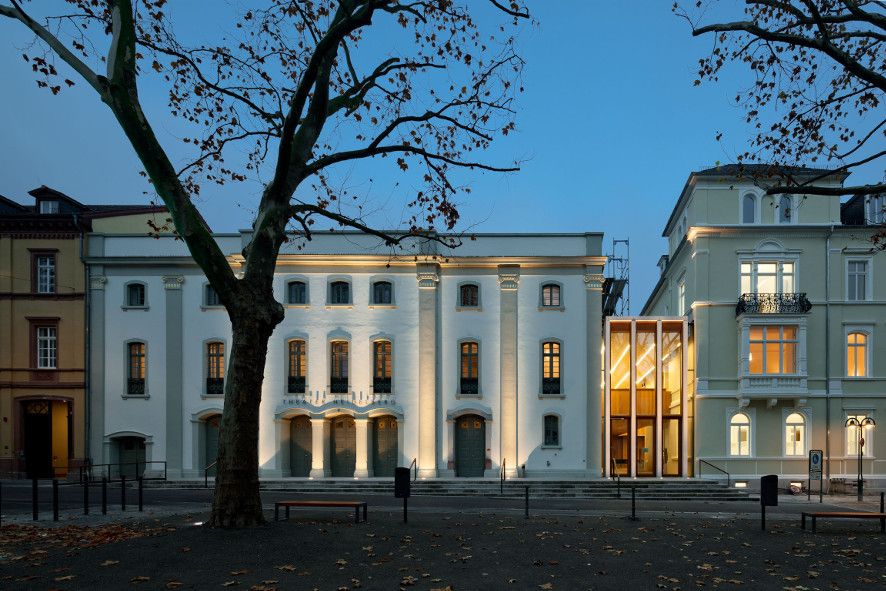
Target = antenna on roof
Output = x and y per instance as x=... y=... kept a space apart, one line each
x=617 y=285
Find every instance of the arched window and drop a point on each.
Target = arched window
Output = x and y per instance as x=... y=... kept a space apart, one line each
x=135 y=379
x=550 y=368
x=469 y=295
x=470 y=368
x=135 y=295
x=740 y=435
x=298 y=366
x=795 y=435
x=215 y=367
x=381 y=373
x=339 y=292
x=749 y=209
x=338 y=353
x=550 y=295
x=382 y=292
x=856 y=354
x=785 y=209
x=552 y=431
x=296 y=292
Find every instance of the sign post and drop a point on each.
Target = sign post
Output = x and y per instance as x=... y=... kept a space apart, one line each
x=402 y=487
x=815 y=465
x=768 y=495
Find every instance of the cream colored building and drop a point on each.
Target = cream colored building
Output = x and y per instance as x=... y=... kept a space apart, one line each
x=786 y=304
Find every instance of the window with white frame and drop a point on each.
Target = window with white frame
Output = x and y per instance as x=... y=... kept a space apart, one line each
x=49 y=206
x=552 y=431
x=740 y=435
x=875 y=209
x=47 y=347
x=857 y=354
x=795 y=435
x=749 y=209
x=767 y=277
x=785 y=214
x=857 y=280
x=773 y=349
x=681 y=297
x=44 y=266
x=854 y=433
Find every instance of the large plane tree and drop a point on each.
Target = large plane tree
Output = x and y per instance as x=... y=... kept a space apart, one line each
x=819 y=79
x=302 y=88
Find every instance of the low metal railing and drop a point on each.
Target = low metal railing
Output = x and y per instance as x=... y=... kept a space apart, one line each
x=502 y=476
x=772 y=303
x=717 y=468
x=414 y=467
x=94 y=472
x=206 y=473
x=613 y=473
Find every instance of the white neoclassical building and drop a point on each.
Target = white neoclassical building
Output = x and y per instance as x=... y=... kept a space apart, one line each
x=465 y=360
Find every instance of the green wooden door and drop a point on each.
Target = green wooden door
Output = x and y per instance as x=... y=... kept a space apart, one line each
x=211 y=451
x=300 y=444
x=384 y=446
x=470 y=446
x=132 y=456
x=344 y=446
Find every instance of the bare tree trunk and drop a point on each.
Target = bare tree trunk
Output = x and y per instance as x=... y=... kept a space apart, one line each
x=237 y=501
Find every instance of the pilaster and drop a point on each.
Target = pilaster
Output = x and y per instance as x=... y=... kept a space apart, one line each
x=174 y=407
x=97 y=369
x=361 y=468
x=594 y=328
x=318 y=449
x=428 y=278
x=508 y=282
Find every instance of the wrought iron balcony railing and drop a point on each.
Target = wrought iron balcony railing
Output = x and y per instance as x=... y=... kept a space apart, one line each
x=469 y=386
x=381 y=385
x=296 y=385
x=338 y=385
x=215 y=385
x=135 y=386
x=772 y=303
x=550 y=385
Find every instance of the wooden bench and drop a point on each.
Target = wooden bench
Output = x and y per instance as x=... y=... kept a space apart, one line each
x=844 y=515
x=355 y=505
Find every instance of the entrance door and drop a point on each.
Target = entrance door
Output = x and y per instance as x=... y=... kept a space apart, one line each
x=38 y=439
x=670 y=443
x=132 y=456
x=645 y=447
x=384 y=446
x=344 y=446
x=470 y=446
x=213 y=425
x=300 y=446
x=620 y=445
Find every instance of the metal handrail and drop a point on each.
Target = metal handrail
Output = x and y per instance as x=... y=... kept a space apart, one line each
x=614 y=473
x=718 y=468
x=206 y=473
x=86 y=471
x=502 y=476
x=414 y=467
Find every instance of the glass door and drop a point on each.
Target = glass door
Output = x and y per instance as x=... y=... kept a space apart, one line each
x=646 y=447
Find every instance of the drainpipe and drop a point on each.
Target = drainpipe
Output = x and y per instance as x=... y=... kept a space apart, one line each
x=827 y=353
x=87 y=350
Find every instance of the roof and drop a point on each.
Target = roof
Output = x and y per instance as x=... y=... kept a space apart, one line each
x=755 y=172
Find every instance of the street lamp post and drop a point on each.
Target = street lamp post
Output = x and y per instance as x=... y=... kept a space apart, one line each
x=861 y=424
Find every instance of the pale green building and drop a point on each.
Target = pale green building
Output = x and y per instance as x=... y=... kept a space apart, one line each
x=786 y=303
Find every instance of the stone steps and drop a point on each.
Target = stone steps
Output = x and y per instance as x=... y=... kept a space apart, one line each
x=575 y=489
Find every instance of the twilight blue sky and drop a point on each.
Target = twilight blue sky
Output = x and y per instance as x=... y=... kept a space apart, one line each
x=610 y=126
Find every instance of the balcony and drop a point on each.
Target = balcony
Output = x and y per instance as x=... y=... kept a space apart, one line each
x=215 y=385
x=338 y=385
x=773 y=303
x=381 y=385
x=550 y=386
x=135 y=386
x=296 y=385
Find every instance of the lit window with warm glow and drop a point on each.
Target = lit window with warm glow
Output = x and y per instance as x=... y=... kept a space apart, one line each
x=740 y=435
x=795 y=435
x=856 y=355
x=773 y=350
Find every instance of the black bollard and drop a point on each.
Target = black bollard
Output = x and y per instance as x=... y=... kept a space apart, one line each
x=104 y=496
x=54 y=499
x=34 y=498
x=122 y=492
x=140 y=493
x=526 y=501
x=86 y=497
x=633 y=503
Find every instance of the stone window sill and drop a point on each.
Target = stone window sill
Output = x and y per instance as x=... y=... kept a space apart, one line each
x=136 y=396
x=382 y=306
x=297 y=305
x=134 y=308
x=205 y=307
x=551 y=309
x=339 y=306
x=553 y=396
x=553 y=447
x=459 y=395
x=206 y=396
x=468 y=309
